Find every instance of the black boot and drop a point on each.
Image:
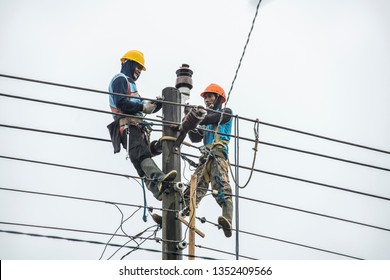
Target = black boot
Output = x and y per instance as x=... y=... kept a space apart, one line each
x=155 y=177
x=225 y=221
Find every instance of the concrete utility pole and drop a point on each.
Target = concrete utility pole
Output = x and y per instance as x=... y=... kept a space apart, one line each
x=171 y=227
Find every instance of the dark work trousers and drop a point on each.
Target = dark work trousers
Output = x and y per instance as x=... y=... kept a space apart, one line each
x=138 y=147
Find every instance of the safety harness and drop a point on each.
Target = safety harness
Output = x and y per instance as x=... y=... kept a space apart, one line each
x=216 y=150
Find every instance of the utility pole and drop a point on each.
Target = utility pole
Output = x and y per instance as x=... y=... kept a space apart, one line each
x=171 y=227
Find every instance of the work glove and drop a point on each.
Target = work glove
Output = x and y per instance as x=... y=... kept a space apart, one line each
x=148 y=107
x=158 y=104
x=187 y=109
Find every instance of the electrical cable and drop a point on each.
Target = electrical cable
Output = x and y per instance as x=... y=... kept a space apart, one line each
x=173 y=123
x=317 y=183
x=81 y=198
x=224 y=252
x=139 y=244
x=82 y=108
x=256 y=170
x=241 y=197
x=313 y=213
x=94 y=242
x=119 y=227
x=243 y=52
x=179 y=104
x=83 y=88
x=65 y=229
x=263 y=143
x=305 y=180
x=193 y=146
x=70 y=167
x=290 y=242
x=140 y=206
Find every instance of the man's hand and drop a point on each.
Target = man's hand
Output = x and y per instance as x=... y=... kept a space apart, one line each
x=149 y=107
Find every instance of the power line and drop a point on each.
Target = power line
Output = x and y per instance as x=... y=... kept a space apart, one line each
x=55 y=133
x=71 y=167
x=91 y=138
x=243 y=52
x=85 y=231
x=93 y=242
x=241 y=197
x=103 y=233
x=243 y=118
x=260 y=142
x=316 y=183
x=224 y=252
x=325 y=156
x=303 y=180
x=68 y=229
x=289 y=242
x=173 y=123
x=255 y=170
x=80 y=198
x=326 y=138
x=81 y=108
x=297 y=243
x=313 y=213
x=202 y=219
x=170 y=123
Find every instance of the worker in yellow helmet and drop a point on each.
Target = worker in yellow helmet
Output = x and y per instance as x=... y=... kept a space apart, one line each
x=213 y=164
x=130 y=131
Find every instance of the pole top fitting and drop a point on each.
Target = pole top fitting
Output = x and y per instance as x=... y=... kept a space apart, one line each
x=184 y=77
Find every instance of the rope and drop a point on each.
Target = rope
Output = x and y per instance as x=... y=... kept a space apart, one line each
x=256 y=132
x=171 y=138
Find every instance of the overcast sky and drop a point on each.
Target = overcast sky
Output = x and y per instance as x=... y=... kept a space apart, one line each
x=318 y=66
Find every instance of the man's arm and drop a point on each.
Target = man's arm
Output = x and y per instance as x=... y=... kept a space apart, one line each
x=214 y=117
x=122 y=102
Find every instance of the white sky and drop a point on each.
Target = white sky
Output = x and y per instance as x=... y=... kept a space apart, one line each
x=316 y=66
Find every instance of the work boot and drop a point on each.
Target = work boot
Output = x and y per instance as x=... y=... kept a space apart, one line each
x=225 y=221
x=157 y=219
x=156 y=177
x=169 y=177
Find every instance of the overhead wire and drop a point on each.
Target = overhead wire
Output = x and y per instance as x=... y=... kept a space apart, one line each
x=233 y=164
x=255 y=170
x=95 y=242
x=139 y=244
x=119 y=227
x=251 y=199
x=223 y=252
x=186 y=154
x=202 y=219
x=179 y=104
x=313 y=213
x=66 y=229
x=256 y=141
x=289 y=242
x=270 y=144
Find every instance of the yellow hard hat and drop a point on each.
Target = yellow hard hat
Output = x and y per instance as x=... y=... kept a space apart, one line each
x=136 y=56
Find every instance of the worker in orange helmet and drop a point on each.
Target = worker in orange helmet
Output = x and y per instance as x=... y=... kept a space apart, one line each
x=213 y=164
x=130 y=131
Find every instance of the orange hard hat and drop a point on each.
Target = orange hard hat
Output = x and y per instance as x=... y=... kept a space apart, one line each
x=214 y=88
